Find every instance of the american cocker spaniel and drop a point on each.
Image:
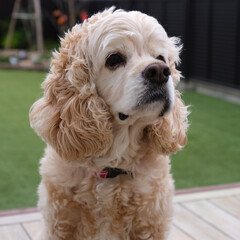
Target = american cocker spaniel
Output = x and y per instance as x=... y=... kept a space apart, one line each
x=110 y=116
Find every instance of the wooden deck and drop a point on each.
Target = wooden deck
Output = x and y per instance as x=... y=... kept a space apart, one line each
x=203 y=215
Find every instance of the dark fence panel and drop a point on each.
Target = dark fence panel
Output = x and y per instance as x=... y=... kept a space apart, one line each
x=201 y=41
x=237 y=59
x=176 y=14
x=224 y=32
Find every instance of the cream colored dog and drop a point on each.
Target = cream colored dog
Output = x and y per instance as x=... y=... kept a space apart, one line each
x=110 y=117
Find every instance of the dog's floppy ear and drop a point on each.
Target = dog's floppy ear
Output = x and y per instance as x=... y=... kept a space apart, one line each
x=174 y=49
x=71 y=117
x=168 y=134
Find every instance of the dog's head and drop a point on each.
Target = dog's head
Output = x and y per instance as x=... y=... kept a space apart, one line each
x=131 y=55
x=117 y=67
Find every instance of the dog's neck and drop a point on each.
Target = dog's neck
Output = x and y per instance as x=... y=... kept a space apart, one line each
x=127 y=148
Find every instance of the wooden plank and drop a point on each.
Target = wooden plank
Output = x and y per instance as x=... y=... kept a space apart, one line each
x=33 y=229
x=25 y=16
x=20 y=218
x=38 y=24
x=71 y=13
x=229 y=204
x=177 y=234
x=238 y=197
x=13 y=232
x=206 y=195
x=194 y=226
x=215 y=216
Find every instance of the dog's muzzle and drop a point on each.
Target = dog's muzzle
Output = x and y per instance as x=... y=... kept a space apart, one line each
x=155 y=77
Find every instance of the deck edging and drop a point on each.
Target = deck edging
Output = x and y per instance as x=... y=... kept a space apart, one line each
x=177 y=193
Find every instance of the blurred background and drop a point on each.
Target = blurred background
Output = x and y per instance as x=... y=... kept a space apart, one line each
x=210 y=32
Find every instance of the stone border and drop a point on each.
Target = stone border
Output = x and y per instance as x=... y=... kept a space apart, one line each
x=6 y=66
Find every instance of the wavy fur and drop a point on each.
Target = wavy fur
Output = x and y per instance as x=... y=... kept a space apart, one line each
x=71 y=117
x=78 y=119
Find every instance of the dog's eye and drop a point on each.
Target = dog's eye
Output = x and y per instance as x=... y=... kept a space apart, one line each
x=114 y=61
x=161 y=58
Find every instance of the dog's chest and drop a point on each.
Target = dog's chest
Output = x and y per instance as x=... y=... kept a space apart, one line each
x=118 y=202
x=116 y=205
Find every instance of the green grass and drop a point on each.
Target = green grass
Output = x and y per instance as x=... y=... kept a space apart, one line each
x=20 y=147
x=212 y=155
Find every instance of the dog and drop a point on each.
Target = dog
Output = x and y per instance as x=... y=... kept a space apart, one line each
x=110 y=116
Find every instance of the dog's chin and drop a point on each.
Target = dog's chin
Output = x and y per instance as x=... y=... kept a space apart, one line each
x=154 y=103
x=151 y=109
x=158 y=97
x=159 y=101
x=159 y=108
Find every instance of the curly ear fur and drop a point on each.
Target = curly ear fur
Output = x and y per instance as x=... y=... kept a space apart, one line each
x=168 y=134
x=70 y=116
x=174 y=49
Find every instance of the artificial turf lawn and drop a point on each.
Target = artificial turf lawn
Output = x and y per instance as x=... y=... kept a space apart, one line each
x=20 y=147
x=212 y=155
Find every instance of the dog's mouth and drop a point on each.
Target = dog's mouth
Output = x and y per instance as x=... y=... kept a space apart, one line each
x=160 y=95
x=165 y=109
x=154 y=100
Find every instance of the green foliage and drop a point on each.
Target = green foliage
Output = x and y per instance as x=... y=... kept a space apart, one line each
x=19 y=39
x=3 y=31
x=4 y=59
x=50 y=44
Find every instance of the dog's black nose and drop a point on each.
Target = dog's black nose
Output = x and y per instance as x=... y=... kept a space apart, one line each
x=157 y=72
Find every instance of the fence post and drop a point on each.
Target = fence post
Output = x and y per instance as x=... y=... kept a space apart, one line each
x=71 y=13
x=39 y=32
